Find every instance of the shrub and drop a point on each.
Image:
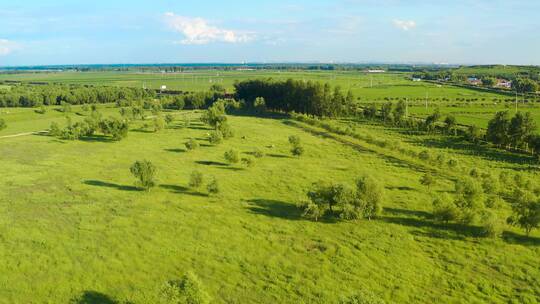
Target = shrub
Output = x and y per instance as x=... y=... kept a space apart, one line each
x=187 y=290
x=232 y=156
x=195 y=179
x=491 y=224
x=424 y=155
x=294 y=140
x=54 y=129
x=144 y=171
x=444 y=209
x=169 y=119
x=297 y=150
x=371 y=193
x=427 y=180
x=192 y=144
x=213 y=187
x=215 y=137
x=41 y=110
x=2 y=124
x=159 y=123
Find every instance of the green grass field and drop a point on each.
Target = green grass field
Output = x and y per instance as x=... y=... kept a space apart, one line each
x=366 y=86
x=72 y=224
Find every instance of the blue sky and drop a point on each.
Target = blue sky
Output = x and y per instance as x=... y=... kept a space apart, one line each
x=36 y=32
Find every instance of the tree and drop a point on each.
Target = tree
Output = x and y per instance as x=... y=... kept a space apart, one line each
x=400 y=111
x=489 y=81
x=386 y=110
x=144 y=171
x=159 y=123
x=432 y=119
x=169 y=119
x=444 y=209
x=259 y=104
x=232 y=156
x=451 y=124
x=192 y=144
x=522 y=127
x=297 y=149
x=497 y=130
x=524 y=85
x=2 y=124
x=526 y=210
x=213 y=187
x=491 y=224
x=371 y=194
x=196 y=179
x=187 y=290
x=54 y=129
x=474 y=134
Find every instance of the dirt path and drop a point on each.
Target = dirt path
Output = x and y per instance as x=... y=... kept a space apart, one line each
x=24 y=134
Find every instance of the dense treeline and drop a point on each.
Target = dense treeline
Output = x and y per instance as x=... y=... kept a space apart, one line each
x=294 y=95
x=38 y=95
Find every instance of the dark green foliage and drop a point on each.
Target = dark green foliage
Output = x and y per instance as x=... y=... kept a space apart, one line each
x=144 y=171
x=169 y=118
x=297 y=148
x=491 y=224
x=54 y=129
x=427 y=180
x=187 y=290
x=497 y=131
x=158 y=123
x=196 y=179
x=2 y=124
x=444 y=209
x=116 y=128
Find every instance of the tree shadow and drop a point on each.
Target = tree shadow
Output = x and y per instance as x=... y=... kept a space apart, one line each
x=96 y=138
x=514 y=238
x=182 y=190
x=405 y=212
x=199 y=128
x=98 y=183
x=140 y=130
x=275 y=155
x=483 y=151
x=274 y=208
x=400 y=188
x=94 y=297
x=210 y=163
x=176 y=150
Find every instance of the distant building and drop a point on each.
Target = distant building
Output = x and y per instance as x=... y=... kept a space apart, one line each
x=163 y=87
x=416 y=79
x=376 y=71
x=503 y=83
x=474 y=81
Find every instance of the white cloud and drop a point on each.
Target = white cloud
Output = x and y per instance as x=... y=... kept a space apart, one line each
x=404 y=24
x=198 y=31
x=6 y=47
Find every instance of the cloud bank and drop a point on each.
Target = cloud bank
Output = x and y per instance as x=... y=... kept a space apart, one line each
x=6 y=47
x=199 y=31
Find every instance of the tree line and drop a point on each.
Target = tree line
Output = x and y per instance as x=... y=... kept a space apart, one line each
x=299 y=96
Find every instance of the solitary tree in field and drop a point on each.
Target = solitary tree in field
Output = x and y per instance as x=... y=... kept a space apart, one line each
x=159 y=123
x=371 y=193
x=297 y=148
x=144 y=171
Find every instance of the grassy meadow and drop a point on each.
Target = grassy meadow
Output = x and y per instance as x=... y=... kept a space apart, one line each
x=73 y=228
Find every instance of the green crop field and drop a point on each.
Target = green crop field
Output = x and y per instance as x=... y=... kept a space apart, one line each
x=72 y=224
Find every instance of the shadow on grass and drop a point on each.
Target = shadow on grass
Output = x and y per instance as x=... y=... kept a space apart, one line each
x=210 y=163
x=401 y=188
x=514 y=238
x=94 y=297
x=274 y=208
x=200 y=128
x=275 y=155
x=283 y=210
x=96 y=138
x=98 y=183
x=140 y=130
x=176 y=150
x=182 y=190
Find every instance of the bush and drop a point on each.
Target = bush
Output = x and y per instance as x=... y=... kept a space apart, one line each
x=54 y=129
x=195 y=179
x=159 y=123
x=169 y=119
x=192 y=144
x=444 y=209
x=491 y=224
x=427 y=180
x=294 y=140
x=144 y=171
x=297 y=150
x=2 y=124
x=371 y=193
x=187 y=290
x=213 y=187
x=215 y=137
x=232 y=156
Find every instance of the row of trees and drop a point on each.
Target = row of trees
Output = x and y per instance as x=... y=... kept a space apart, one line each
x=518 y=132
x=295 y=95
x=116 y=128
x=52 y=94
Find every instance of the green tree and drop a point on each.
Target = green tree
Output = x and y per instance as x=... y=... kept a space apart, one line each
x=371 y=194
x=427 y=180
x=216 y=137
x=522 y=127
x=451 y=124
x=444 y=209
x=498 y=129
x=526 y=210
x=144 y=171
